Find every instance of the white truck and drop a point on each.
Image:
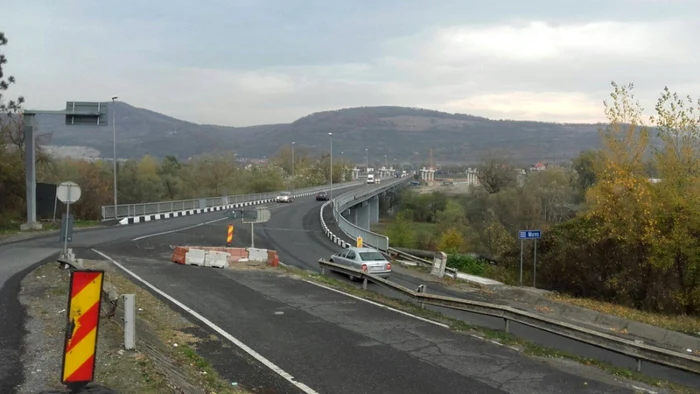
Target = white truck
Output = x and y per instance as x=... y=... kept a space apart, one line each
x=370 y=178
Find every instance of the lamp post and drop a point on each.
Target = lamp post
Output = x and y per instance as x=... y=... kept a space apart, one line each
x=293 y=165
x=342 y=163
x=367 y=158
x=114 y=153
x=331 y=177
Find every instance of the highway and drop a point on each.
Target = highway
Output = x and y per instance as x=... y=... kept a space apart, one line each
x=328 y=341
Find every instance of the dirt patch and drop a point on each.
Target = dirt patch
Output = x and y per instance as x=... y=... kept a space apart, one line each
x=165 y=361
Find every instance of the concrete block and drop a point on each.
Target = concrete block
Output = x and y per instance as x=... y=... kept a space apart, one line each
x=195 y=257
x=216 y=259
x=255 y=254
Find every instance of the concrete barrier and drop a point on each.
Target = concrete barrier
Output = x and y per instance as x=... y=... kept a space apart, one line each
x=195 y=257
x=222 y=257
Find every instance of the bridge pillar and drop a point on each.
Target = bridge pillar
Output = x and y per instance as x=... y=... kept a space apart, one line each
x=374 y=210
x=363 y=216
x=353 y=215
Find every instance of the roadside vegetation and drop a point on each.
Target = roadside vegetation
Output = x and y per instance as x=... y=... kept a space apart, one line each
x=620 y=225
x=146 y=180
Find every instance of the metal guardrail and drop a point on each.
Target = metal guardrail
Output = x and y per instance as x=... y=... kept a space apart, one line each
x=639 y=351
x=346 y=200
x=152 y=208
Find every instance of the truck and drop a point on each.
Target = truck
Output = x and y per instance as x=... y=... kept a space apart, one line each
x=370 y=178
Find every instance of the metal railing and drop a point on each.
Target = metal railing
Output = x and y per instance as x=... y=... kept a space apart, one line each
x=639 y=351
x=347 y=200
x=152 y=208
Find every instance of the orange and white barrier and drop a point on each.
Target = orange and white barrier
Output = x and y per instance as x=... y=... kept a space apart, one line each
x=222 y=257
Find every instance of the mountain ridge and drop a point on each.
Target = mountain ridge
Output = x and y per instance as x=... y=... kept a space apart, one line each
x=401 y=133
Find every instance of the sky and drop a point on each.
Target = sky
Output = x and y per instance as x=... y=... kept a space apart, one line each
x=247 y=62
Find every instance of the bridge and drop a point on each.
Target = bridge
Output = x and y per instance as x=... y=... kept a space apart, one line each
x=323 y=340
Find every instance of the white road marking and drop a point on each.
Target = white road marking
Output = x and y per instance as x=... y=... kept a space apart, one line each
x=378 y=304
x=306 y=389
x=178 y=229
x=272 y=208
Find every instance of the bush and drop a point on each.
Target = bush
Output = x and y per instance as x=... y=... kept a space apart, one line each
x=467 y=264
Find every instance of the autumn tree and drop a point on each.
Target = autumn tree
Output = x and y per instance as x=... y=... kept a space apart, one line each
x=11 y=163
x=496 y=172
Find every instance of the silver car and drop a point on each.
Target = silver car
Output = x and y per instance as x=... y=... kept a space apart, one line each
x=284 y=197
x=365 y=259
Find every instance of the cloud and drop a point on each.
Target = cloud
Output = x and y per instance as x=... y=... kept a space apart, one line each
x=254 y=64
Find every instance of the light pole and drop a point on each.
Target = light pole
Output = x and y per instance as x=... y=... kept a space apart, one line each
x=386 y=164
x=367 y=158
x=114 y=153
x=293 y=165
x=342 y=163
x=331 y=138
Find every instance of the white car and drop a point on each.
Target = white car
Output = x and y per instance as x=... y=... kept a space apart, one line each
x=364 y=259
x=284 y=197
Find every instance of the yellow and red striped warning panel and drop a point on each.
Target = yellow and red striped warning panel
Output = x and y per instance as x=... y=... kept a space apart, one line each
x=83 y=322
x=229 y=235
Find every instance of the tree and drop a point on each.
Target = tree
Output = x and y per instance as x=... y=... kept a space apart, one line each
x=496 y=172
x=11 y=163
x=584 y=164
x=451 y=241
x=400 y=231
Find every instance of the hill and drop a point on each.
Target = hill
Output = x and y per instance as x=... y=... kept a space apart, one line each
x=398 y=132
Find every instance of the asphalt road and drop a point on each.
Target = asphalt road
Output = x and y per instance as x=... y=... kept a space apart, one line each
x=328 y=341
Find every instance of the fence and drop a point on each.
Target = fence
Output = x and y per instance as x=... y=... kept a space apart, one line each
x=639 y=351
x=152 y=208
x=346 y=200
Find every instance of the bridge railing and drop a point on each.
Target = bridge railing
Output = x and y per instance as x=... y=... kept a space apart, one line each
x=346 y=200
x=152 y=208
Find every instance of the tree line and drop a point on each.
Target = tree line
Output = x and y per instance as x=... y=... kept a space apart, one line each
x=620 y=224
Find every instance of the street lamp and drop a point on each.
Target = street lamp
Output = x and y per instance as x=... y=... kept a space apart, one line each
x=386 y=165
x=342 y=163
x=331 y=138
x=114 y=152
x=367 y=158
x=293 y=165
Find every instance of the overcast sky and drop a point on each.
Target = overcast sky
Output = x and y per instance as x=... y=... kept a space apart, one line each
x=243 y=62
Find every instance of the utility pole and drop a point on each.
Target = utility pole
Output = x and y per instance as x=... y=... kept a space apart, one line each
x=114 y=152
x=331 y=177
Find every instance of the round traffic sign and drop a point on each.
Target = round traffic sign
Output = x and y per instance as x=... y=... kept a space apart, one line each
x=68 y=192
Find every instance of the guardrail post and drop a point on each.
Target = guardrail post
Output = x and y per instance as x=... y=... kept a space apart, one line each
x=364 y=283
x=129 y=321
x=421 y=289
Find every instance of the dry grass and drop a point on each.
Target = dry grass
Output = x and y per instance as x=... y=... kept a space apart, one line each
x=680 y=323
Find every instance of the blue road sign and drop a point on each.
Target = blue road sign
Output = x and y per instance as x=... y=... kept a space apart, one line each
x=530 y=234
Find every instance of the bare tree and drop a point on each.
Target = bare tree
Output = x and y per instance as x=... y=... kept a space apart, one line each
x=496 y=172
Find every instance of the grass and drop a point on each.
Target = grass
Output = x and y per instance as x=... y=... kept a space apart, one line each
x=681 y=323
x=12 y=227
x=527 y=347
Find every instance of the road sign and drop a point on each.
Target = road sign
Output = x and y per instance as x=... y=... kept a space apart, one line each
x=359 y=242
x=84 y=113
x=530 y=234
x=84 y=299
x=242 y=214
x=534 y=235
x=229 y=235
x=263 y=215
x=68 y=192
